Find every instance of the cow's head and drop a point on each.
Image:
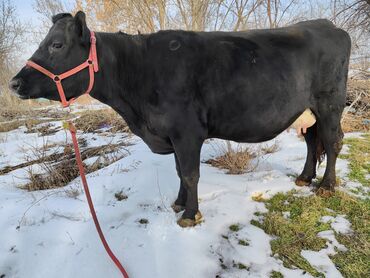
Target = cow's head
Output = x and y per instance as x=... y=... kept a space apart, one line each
x=65 y=46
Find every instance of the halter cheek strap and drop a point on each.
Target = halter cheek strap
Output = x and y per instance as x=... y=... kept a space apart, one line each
x=91 y=63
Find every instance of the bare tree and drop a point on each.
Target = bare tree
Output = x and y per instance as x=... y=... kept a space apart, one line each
x=11 y=33
x=127 y=15
x=243 y=10
x=46 y=9
x=280 y=13
x=154 y=13
x=352 y=14
x=354 y=17
x=132 y=16
x=197 y=15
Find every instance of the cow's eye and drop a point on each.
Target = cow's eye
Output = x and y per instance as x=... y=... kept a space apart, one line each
x=57 y=45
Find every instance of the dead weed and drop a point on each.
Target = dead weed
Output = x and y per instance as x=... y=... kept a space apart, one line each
x=235 y=160
x=60 y=168
x=93 y=120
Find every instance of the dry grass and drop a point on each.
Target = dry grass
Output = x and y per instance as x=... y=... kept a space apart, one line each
x=359 y=91
x=60 y=168
x=72 y=192
x=40 y=157
x=120 y=196
x=235 y=160
x=357 y=115
x=14 y=124
x=12 y=118
x=53 y=114
x=13 y=108
x=43 y=130
x=9 y=113
x=57 y=175
x=272 y=148
x=10 y=105
x=15 y=113
x=352 y=122
x=93 y=120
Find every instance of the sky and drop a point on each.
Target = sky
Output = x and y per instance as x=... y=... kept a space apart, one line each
x=24 y=9
x=29 y=17
x=26 y=13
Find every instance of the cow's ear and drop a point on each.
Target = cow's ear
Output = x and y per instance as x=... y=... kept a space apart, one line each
x=56 y=17
x=81 y=27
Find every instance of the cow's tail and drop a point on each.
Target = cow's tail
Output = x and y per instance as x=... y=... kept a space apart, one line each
x=320 y=150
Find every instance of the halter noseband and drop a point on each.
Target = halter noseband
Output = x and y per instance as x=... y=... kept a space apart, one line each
x=91 y=63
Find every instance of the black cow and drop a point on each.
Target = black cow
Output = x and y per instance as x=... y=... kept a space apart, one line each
x=177 y=88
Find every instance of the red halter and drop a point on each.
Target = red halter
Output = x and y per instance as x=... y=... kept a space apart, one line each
x=91 y=62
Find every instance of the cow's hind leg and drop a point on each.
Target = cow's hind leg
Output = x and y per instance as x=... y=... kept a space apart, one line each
x=331 y=135
x=179 y=204
x=309 y=170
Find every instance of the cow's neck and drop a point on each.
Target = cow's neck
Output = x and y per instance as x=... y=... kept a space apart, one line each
x=118 y=82
x=120 y=57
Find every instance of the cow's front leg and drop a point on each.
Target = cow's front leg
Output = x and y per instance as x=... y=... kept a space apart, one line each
x=188 y=157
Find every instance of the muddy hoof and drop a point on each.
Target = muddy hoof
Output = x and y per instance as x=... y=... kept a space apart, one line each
x=300 y=182
x=303 y=180
x=177 y=208
x=186 y=222
x=325 y=193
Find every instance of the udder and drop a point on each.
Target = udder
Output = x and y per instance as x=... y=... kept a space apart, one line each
x=304 y=121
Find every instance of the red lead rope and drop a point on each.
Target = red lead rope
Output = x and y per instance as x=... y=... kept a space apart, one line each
x=72 y=129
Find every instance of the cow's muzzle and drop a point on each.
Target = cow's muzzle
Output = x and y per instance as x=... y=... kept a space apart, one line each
x=15 y=84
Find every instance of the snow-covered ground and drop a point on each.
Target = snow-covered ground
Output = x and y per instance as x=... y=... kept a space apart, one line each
x=50 y=234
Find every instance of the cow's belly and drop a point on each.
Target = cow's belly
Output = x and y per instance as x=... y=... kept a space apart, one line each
x=260 y=106
x=253 y=124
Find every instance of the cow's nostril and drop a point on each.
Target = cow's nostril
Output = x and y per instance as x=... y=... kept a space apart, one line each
x=14 y=84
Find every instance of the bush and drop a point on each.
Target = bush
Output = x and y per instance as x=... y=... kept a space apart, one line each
x=236 y=161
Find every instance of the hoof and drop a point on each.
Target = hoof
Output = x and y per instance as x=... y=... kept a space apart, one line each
x=300 y=182
x=186 y=222
x=177 y=208
x=325 y=193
